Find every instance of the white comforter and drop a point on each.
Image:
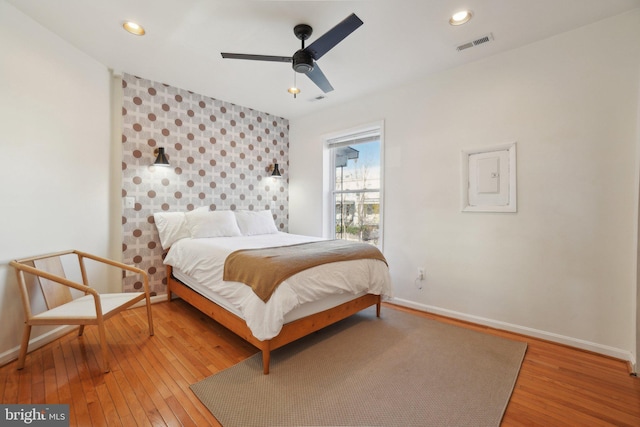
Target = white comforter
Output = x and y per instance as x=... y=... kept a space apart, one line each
x=203 y=261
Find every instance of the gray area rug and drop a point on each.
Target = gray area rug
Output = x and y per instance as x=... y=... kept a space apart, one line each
x=397 y=370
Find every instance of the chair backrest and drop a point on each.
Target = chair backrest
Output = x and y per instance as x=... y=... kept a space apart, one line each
x=54 y=293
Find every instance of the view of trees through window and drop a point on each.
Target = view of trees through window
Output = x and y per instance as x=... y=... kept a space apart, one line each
x=357 y=190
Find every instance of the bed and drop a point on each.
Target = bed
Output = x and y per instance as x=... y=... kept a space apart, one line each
x=302 y=303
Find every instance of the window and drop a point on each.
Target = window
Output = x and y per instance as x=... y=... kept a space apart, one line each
x=356 y=180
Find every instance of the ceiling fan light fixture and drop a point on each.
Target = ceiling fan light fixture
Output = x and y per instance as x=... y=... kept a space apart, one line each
x=461 y=17
x=294 y=90
x=133 y=28
x=302 y=62
x=303 y=68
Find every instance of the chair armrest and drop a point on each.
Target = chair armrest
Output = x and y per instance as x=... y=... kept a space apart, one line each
x=113 y=263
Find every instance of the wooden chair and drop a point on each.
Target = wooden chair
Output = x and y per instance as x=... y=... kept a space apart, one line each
x=91 y=309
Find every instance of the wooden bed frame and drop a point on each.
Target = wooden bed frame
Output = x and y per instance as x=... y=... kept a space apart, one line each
x=290 y=331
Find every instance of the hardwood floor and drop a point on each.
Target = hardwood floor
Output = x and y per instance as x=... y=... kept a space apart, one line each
x=150 y=377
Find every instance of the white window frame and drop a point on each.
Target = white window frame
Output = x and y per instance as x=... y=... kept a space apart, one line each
x=344 y=138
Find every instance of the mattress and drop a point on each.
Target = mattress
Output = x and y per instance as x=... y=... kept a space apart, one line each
x=199 y=263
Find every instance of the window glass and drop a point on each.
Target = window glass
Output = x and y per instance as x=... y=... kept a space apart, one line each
x=356 y=188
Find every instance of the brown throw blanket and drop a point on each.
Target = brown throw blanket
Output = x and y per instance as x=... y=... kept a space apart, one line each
x=264 y=269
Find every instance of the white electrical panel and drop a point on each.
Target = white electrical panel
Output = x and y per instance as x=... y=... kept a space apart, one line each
x=489 y=179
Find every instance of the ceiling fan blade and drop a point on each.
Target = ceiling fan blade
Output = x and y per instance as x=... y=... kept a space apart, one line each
x=334 y=36
x=317 y=76
x=257 y=57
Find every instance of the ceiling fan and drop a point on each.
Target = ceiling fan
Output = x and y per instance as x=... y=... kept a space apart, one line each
x=304 y=60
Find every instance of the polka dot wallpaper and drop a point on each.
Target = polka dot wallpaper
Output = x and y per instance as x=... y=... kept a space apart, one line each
x=219 y=155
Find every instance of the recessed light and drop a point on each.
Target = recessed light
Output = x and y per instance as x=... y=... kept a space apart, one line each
x=133 y=28
x=461 y=17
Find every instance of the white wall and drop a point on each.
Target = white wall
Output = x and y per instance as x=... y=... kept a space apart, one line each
x=55 y=152
x=564 y=266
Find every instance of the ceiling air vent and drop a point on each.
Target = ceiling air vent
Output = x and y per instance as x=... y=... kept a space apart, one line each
x=476 y=42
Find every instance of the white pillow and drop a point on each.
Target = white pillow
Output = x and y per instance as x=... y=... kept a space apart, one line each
x=256 y=222
x=172 y=226
x=212 y=224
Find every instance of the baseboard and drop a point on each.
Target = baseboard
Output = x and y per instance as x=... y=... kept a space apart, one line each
x=523 y=330
x=37 y=342
x=41 y=340
x=44 y=339
x=154 y=300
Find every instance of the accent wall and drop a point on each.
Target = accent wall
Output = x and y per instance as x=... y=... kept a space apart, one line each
x=219 y=155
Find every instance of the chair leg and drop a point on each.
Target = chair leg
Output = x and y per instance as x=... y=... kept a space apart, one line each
x=24 y=345
x=103 y=347
x=149 y=317
x=80 y=330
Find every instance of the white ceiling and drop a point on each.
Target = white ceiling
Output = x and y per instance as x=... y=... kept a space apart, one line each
x=400 y=41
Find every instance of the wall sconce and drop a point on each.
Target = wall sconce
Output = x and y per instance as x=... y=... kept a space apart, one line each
x=161 y=159
x=275 y=171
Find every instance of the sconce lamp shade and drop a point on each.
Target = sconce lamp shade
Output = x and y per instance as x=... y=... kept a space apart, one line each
x=276 y=171
x=161 y=160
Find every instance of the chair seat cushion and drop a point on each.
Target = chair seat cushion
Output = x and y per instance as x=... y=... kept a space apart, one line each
x=84 y=307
